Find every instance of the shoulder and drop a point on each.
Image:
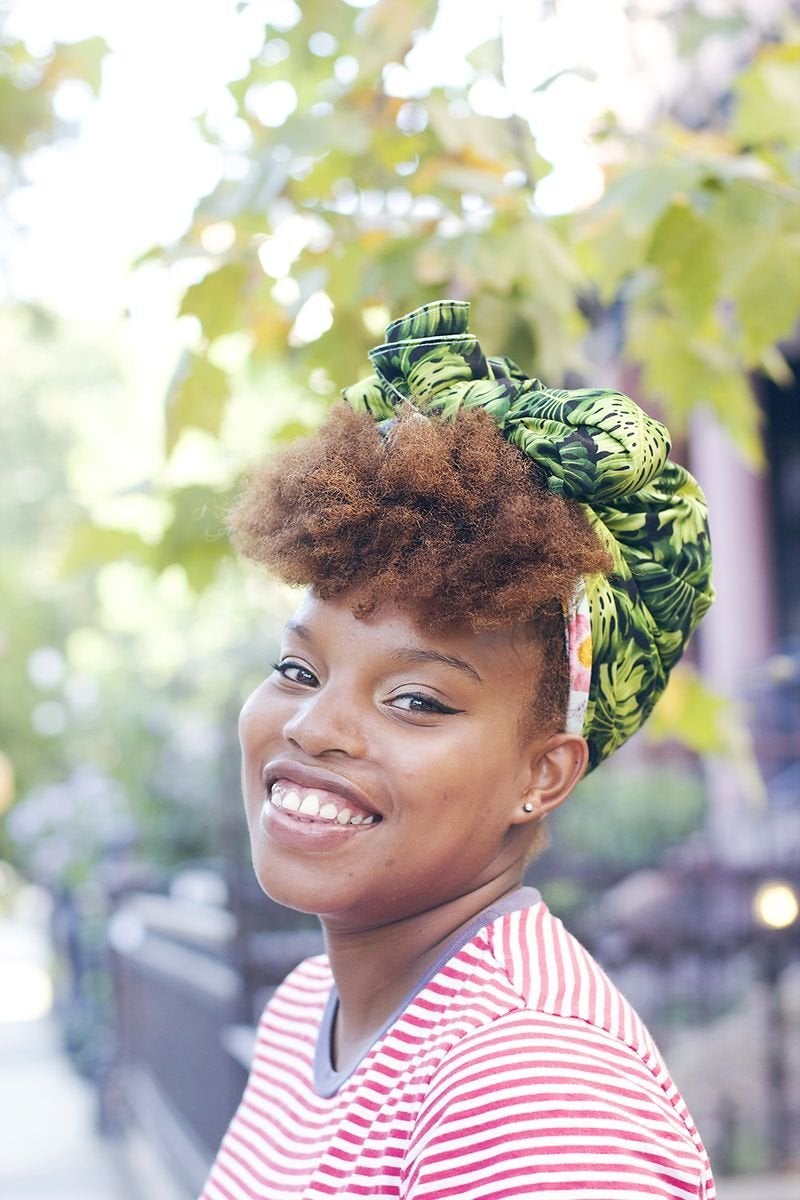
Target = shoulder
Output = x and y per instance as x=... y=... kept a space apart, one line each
x=537 y=1100
x=530 y=1053
x=554 y=974
x=562 y=1087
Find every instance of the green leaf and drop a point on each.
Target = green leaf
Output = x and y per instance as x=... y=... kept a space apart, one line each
x=218 y=299
x=614 y=237
x=93 y=545
x=775 y=367
x=27 y=111
x=196 y=538
x=23 y=112
x=77 y=60
x=564 y=73
x=642 y=193
x=475 y=139
x=488 y=57
x=686 y=368
x=696 y=26
x=290 y=431
x=684 y=248
x=388 y=28
x=768 y=99
x=757 y=224
x=197 y=398
x=768 y=295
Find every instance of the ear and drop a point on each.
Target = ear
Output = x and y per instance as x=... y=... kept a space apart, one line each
x=557 y=767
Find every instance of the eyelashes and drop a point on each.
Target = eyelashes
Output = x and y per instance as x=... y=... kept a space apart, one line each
x=411 y=702
x=293 y=670
x=420 y=703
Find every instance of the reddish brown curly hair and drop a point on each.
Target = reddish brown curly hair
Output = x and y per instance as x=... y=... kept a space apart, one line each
x=443 y=518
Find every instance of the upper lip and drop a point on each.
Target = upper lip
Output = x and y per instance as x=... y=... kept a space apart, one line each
x=316 y=777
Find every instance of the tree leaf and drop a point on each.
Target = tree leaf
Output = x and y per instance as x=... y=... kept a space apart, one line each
x=197 y=397
x=615 y=235
x=768 y=295
x=768 y=99
x=218 y=299
x=488 y=57
x=472 y=138
x=684 y=248
x=23 y=112
x=93 y=545
x=195 y=537
x=691 y=713
x=76 y=60
x=685 y=368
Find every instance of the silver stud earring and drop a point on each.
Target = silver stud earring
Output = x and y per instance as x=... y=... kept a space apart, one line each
x=527 y=807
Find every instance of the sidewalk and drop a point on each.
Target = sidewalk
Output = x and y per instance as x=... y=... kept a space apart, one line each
x=50 y=1149
x=49 y=1145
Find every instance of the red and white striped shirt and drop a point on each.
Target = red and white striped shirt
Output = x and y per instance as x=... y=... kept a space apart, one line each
x=516 y=1070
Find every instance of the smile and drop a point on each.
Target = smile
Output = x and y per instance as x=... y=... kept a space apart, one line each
x=315 y=804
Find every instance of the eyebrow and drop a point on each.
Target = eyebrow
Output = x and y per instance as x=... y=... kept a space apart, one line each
x=418 y=655
x=302 y=631
x=413 y=654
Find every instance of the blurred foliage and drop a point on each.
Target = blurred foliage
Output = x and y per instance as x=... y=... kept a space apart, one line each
x=28 y=84
x=372 y=202
x=614 y=817
x=120 y=685
x=350 y=193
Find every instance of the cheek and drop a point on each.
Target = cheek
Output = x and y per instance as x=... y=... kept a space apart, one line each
x=248 y=717
x=255 y=722
x=259 y=718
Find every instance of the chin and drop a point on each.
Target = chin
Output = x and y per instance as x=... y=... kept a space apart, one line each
x=283 y=890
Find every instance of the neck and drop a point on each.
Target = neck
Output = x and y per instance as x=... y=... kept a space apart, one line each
x=374 y=969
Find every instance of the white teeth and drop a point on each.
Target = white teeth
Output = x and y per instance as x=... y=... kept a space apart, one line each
x=309 y=806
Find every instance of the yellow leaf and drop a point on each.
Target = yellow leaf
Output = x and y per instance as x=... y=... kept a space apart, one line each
x=691 y=713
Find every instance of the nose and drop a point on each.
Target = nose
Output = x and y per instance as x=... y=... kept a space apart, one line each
x=325 y=722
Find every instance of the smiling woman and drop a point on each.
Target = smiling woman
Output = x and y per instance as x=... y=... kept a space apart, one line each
x=403 y=757
x=494 y=601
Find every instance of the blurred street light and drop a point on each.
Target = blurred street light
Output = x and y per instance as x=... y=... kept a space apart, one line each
x=27 y=993
x=775 y=905
x=775 y=908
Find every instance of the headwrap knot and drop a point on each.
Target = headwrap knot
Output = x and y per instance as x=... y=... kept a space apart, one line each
x=600 y=449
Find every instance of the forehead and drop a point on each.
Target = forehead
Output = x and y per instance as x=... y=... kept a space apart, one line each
x=511 y=653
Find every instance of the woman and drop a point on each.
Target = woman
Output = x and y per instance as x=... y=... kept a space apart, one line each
x=499 y=579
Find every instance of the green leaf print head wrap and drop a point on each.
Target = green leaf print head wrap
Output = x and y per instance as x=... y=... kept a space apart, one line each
x=624 y=632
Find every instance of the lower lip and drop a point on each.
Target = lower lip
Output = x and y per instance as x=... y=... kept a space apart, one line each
x=305 y=834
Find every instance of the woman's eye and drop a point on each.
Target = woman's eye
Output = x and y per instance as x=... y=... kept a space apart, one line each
x=418 y=702
x=295 y=672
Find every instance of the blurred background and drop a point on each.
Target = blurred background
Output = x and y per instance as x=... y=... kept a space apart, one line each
x=208 y=213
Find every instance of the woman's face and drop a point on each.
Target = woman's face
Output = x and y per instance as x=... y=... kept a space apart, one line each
x=385 y=767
